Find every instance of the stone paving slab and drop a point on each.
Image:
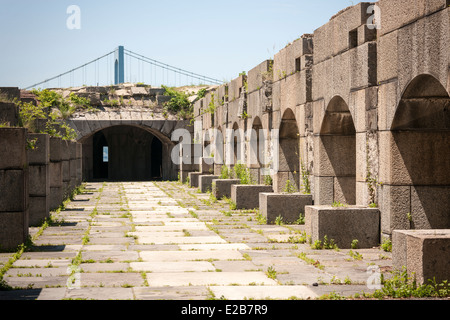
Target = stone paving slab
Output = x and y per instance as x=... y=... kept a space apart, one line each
x=163 y=240
x=208 y=247
x=171 y=293
x=180 y=240
x=100 y=294
x=263 y=293
x=185 y=266
x=166 y=256
x=208 y=279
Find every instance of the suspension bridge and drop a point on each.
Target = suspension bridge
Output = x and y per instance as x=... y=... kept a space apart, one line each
x=122 y=65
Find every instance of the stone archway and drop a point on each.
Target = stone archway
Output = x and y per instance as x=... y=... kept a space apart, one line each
x=289 y=153
x=255 y=154
x=416 y=174
x=134 y=153
x=336 y=160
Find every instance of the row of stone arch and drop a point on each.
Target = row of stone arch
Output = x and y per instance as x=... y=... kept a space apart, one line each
x=413 y=156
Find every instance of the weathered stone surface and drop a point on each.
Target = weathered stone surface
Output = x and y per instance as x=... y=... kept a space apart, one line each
x=222 y=187
x=13 y=148
x=205 y=183
x=14 y=186
x=424 y=253
x=8 y=114
x=194 y=179
x=287 y=206
x=247 y=196
x=343 y=225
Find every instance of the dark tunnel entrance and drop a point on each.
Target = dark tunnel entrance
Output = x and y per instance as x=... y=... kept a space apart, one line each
x=123 y=153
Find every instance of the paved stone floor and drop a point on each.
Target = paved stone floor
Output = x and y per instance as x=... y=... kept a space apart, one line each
x=163 y=240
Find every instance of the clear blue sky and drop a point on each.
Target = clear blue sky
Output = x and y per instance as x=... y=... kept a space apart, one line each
x=218 y=39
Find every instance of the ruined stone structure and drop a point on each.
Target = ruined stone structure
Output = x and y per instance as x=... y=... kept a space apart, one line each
x=136 y=131
x=362 y=113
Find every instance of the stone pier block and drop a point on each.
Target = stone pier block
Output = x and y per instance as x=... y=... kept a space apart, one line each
x=343 y=225
x=79 y=157
x=194 y=179
x=56 y=173
x=65 y=160
x=14 y=191
x=247 y=196
x=8 y=114
x=207 y=165
x=205 y=183
x=287 y=205
x=222 y=187
x=73 y=165
x=424 y=253
x=39 y=178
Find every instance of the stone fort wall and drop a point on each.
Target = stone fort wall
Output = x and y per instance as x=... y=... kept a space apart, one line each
x=362 y=112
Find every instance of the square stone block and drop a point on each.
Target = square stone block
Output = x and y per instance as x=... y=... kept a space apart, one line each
x=39 y=180
x=207 y=165
x=14 y=229
x=56 y=197
x=247 y=196
x=56 y=178
x=9 y=114
x=55 y=149
x=13 y=190
x=13 y=153
x=41 y=153
x=194 y=179
x=223 y=187
x=205 y=183
x=65 y=150
x=344 y=224
x=424 y=253
x=39 y=210
x=288 y=206
x=66 y=170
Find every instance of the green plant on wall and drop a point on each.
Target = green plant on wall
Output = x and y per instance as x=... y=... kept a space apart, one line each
x=305 y=179
x=179 y=103
x=29 y=114
x=225 y=173
x=242 y=173
x=212 y=105
x=290 y=187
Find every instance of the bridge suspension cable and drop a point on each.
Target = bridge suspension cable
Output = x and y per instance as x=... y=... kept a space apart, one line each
x=171 y=68
x=110 y=75
x=69 y=72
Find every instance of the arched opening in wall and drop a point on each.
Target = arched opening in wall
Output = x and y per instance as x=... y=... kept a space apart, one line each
x=219 y=147
x=100 y=157
x=236 y=144
x=255 y=149
x=337 y=155
x=125 y=153
x=420 y=153
x=156 y=162
x=289 y=154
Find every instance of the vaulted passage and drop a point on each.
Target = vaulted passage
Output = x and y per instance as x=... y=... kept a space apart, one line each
x=337 y=154
x=420 y=154
x=123 y=153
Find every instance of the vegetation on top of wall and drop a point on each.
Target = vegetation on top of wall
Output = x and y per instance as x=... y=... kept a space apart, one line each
x=242 y=173
x=52 y=110
x=179 y=103
x=64 y=108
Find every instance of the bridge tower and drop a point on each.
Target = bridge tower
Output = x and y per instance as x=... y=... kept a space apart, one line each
x=119 y=65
